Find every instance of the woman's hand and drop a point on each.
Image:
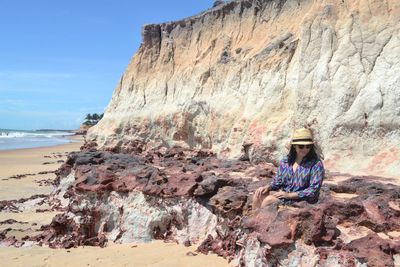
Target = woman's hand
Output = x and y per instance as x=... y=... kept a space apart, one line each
x=280 y=194
x=285 y=195
x=261 y=191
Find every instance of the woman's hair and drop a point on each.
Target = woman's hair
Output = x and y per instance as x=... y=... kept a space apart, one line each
x=312 y=154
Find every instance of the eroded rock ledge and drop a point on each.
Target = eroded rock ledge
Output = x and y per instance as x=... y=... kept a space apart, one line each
x=193 y=197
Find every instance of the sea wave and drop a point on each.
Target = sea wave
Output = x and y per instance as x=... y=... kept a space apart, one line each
x=16 y=139
x=32 y=134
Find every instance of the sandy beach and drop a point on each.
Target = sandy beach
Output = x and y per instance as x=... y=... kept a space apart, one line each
x=28 y=172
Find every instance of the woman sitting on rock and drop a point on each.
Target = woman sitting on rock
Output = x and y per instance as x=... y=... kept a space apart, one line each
x=298 y=177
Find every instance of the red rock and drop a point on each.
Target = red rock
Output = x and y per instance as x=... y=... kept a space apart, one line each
x=226 y=188
x=373 y=250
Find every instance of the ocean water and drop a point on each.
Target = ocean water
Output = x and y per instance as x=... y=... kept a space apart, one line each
x=16 y=139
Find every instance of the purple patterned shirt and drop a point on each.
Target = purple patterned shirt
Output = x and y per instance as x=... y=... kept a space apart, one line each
x=306 y=180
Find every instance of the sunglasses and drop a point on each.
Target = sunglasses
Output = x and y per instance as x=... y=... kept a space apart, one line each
x=304 y=146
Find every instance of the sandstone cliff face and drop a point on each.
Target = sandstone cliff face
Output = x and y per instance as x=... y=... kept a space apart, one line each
x=249 y=72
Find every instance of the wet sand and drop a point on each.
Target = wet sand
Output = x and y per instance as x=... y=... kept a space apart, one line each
x=20 y=178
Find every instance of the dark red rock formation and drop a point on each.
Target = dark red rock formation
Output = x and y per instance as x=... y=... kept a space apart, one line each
x=12 y=205
x=8 y=205
x=374 y=250
x=11 y=221
x=316 y=223
x=226 y=187
x=63 y=232
x=88 y=145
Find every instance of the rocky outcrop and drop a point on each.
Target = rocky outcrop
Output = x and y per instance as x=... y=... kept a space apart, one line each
x=249 y=72
x=83 y=129
x=235 y=80
x=195 y=198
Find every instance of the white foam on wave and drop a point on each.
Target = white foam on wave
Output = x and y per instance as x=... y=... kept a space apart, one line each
x=32 y=134
x=16 y=139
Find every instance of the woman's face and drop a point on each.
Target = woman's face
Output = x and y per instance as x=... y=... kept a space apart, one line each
x=302 y=150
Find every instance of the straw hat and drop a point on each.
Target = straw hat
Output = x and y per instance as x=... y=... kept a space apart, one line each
x=302 y=136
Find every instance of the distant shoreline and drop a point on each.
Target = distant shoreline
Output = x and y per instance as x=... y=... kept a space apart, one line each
x=54 y=130
x=22 y=139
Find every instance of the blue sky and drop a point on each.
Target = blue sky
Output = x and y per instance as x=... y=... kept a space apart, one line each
x=60 y=60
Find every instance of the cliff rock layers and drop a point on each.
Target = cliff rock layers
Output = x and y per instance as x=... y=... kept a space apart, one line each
x=248 y=72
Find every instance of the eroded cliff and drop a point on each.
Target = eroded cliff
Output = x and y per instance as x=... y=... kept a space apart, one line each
x=248 y=72
x=241 y=76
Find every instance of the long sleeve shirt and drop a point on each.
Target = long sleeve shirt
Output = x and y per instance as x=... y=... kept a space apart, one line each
x=306 y=180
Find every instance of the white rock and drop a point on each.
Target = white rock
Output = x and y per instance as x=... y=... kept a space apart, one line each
x=252 y=73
